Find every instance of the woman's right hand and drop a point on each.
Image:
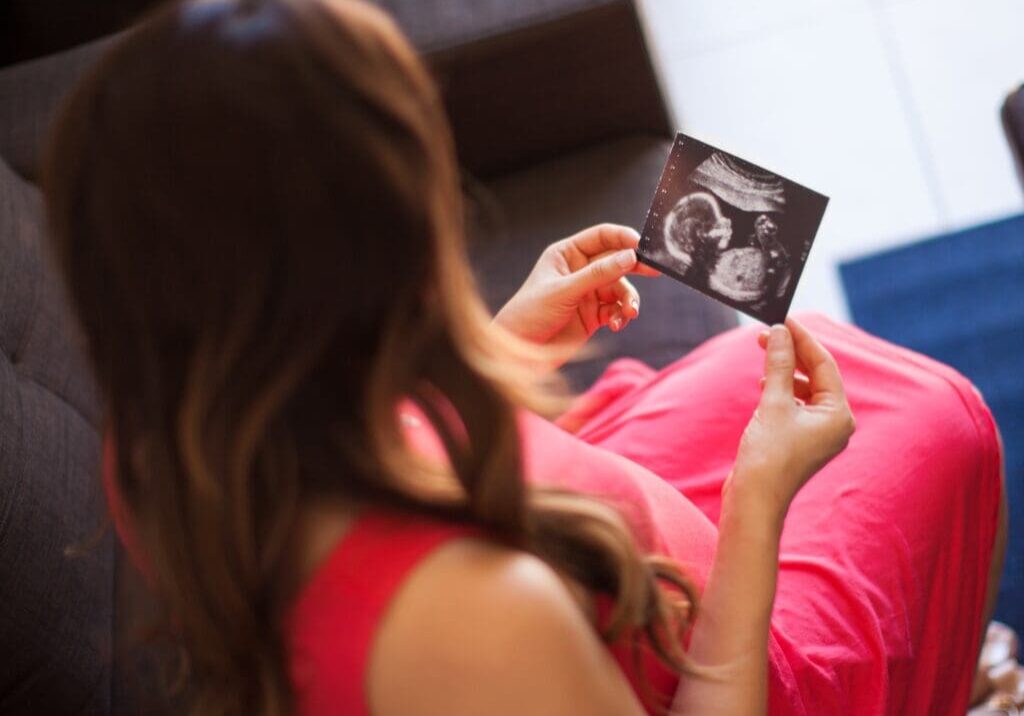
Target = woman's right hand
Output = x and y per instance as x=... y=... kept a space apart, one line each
x=802 y=421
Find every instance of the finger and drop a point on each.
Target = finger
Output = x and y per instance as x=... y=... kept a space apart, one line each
x=610 y=314
x=801 y=387
x=818 y=363
x=801 y=384
x=779 y=365
x=599 y=273
x=604 y=237
x=589 y=311
x=640 y=269
x=762 y=340
x=623 y=293
x=643 y=269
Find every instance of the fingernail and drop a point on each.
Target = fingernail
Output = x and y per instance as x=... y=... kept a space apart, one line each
x=777 y=336
x=635 y=304
x=615 y=323
x=626 y=258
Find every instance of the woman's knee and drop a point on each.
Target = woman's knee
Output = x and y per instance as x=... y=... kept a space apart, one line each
x=986 y=443
x=948 y=410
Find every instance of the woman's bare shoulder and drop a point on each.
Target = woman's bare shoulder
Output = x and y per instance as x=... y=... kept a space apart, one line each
x=480 y=628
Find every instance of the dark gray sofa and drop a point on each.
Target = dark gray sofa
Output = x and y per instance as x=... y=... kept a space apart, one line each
x=577 y=134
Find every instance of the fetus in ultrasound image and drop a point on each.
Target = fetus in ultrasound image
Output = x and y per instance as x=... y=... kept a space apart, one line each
x=730 y=229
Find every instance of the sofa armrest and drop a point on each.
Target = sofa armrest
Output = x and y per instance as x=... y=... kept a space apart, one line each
x=31 y=93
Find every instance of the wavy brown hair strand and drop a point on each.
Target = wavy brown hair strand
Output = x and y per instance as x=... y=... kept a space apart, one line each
x=256 y=208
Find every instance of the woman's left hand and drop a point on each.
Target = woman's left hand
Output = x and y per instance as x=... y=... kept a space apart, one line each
x=578 y=285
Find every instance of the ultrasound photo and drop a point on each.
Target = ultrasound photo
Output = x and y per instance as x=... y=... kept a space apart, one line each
x=730 y=229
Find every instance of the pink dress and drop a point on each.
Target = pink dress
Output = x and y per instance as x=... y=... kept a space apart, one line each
x=885 y=553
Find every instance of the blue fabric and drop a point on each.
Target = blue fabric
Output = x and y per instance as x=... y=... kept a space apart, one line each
x=960 y=299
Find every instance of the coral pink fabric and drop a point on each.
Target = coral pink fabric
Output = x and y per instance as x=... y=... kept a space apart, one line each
x=885 y=552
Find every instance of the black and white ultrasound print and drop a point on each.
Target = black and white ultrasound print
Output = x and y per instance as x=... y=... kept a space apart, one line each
x=731 y=229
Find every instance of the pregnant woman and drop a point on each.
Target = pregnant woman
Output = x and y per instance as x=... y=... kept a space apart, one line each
x=332 y=465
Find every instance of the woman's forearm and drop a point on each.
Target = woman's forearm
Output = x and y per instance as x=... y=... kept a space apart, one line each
x=789 y=438
x=731 y=631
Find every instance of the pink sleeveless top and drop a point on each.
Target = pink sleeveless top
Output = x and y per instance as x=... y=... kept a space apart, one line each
x=331 y=626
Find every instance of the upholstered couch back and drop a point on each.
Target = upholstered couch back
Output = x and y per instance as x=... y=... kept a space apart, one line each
x=56 y=577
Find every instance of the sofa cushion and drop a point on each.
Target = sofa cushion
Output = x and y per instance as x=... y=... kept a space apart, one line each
x=55 y=587
x=516 y=216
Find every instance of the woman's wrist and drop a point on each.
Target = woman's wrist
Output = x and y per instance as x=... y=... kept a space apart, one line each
x=749 y=501
x=731 y=631
x=501 y=318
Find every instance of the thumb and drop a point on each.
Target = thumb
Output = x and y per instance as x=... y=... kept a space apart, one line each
x=601 y=272
x=779 y=365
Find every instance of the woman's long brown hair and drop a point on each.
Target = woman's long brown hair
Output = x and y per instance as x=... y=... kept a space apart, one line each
x=256 y=208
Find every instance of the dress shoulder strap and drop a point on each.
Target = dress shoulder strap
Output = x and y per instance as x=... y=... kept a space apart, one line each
x=331 y=625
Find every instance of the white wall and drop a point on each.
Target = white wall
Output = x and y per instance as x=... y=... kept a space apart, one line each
x=890 y=107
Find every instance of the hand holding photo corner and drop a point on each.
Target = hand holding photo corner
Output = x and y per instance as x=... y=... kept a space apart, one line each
x=730 y=229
